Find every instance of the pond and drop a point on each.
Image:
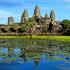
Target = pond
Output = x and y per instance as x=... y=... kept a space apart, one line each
x=34 y=54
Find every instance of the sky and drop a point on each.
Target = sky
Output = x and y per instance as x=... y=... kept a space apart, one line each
x=15 y=8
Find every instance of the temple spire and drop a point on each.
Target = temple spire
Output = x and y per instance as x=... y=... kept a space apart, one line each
x=24 y=16
x=46 y=16
x=52 y=15
x=37 y=11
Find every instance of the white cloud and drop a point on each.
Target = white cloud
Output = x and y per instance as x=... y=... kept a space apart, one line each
x=4 y=14
x=67 y=6
x=66 y=0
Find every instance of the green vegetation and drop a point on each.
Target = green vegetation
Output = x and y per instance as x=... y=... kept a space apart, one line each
x=58 y=38
x=65 y=27
x=15 y=26
x=26 y=26
x=65 y=23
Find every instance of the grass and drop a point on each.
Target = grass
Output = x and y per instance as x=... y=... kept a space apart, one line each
x=57 y=38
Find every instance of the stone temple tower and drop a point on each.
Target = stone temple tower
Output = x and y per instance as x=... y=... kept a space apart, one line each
x=37 y=12
x=46 y=16
x=52 y=17
x=24 y=16
x=10 y=20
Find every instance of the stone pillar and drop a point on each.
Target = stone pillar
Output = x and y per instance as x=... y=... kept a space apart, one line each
x=10 y=20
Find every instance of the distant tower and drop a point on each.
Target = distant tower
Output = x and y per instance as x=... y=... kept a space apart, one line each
x=24 y=16
x=46 y=16
x=10 y=20
x=52 y=15
x=37 y=12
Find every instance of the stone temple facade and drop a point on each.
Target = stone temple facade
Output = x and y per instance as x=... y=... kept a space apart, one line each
x=36 y=16
x=40 y=20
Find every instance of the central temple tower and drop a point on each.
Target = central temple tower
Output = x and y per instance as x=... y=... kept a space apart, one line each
x=36 y=12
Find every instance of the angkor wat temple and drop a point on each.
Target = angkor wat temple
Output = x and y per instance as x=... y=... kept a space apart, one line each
x=35 y=24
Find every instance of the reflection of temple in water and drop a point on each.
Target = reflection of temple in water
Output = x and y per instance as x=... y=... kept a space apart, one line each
x=34 y=48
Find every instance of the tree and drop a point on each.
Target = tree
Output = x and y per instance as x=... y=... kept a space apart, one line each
x=65 y=27
x=5 y=29
x=65 y=23
x=13 y=28
x=26 y=26
x=32 y=21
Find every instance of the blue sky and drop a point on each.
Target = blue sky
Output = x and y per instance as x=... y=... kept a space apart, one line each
x=15 y=8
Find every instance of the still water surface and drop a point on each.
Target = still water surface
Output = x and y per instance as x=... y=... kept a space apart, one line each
x=56 y=58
